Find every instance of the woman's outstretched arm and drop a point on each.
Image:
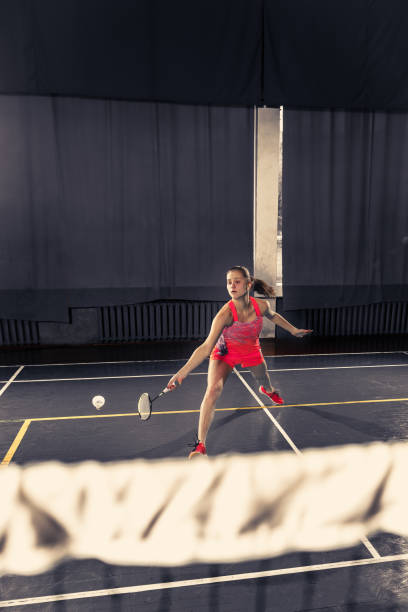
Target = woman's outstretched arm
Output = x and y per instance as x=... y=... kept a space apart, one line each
x=221 y=319
x=282 y=322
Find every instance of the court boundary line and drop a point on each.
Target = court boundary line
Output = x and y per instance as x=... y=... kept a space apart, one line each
x=16 y=443
x=228 y=409
x=268 y=414
x=10 y=380
x=43 y=365
x=132 y=376
x=158 y=586
x=372 y=550
x=375 y=559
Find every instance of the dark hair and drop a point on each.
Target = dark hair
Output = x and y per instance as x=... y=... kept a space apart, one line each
x=259 y=285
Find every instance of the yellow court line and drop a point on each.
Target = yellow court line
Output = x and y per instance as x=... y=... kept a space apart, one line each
x=10 y=453
x=370 y=401
x=113 y=415
x=129 y=414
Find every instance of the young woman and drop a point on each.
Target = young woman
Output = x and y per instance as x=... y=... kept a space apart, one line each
x=233 y=340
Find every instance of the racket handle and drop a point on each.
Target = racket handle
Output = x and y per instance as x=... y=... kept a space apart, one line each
x=166 y=389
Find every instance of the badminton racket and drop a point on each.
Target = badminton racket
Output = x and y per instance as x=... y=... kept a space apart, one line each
x=144 y=404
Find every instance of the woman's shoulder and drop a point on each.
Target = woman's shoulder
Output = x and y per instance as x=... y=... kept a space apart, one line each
x=225 y=312
x=225 y=307
x=262 y=305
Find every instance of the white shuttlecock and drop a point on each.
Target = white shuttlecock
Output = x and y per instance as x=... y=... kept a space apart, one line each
x=98 y=401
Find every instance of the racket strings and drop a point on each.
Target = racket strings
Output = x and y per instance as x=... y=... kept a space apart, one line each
x=144 y=406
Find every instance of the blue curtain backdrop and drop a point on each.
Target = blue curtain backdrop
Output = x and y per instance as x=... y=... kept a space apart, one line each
x=82 y=180
x=345 y=208
x=343 y=55
x=295 y=53
x=201 y=52
x=108 y=202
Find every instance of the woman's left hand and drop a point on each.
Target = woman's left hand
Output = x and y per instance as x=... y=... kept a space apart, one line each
x=299 y=333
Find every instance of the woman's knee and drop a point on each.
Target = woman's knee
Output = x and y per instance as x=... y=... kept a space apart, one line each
x=214 y=389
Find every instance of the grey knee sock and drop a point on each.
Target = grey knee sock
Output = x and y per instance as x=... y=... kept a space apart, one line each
x=260 y=374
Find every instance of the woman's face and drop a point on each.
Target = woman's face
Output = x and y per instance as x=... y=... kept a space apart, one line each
x=237 y=284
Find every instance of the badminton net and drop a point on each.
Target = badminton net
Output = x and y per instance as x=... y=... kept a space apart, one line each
x=228 y=508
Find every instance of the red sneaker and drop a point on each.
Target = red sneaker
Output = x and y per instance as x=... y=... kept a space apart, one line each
x=198 y=449
x=273 y=395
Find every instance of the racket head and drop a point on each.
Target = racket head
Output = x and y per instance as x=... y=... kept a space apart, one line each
x=144 y=406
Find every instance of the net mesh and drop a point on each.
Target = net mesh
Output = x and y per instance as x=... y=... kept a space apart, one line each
x=223 y=509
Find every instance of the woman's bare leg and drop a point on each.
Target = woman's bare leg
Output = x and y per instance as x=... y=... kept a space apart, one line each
x=260 y=373
x=218 y=372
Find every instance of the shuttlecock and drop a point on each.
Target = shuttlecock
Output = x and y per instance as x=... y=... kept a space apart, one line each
x=98 y=401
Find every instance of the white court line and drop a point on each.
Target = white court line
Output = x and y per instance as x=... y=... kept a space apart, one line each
x=374 y=552
x=159 y=586
x=44 y=365
x=265 y=409
x=289 y=440
x=73 y=363
x=130 y=376
x=33 y=380
x=336 y=354
x=388 y=365
x=8 y=383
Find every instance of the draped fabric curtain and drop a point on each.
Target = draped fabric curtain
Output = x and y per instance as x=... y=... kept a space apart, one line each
x=110 y=202
x=336 y=54
x=201 y=52
x=345 y=208
x=297 y=53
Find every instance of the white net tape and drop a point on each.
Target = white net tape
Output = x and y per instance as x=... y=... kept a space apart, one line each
x=174 y=512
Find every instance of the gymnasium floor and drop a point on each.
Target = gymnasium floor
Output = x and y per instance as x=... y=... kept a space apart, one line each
x=330 y=399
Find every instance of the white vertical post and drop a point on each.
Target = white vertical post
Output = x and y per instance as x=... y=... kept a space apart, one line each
x=266 y=198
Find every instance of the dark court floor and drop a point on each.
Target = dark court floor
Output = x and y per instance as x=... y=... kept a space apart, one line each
x=354 y=394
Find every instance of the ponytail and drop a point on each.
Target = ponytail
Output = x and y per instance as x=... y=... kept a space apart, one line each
x=259 y=285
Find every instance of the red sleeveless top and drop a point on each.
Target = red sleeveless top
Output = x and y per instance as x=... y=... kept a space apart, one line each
x=241 y=337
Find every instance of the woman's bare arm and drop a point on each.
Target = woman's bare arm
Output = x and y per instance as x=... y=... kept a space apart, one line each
x=221 y=319
x=282 y=322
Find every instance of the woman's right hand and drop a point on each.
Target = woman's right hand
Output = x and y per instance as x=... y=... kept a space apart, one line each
x=175 y=380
